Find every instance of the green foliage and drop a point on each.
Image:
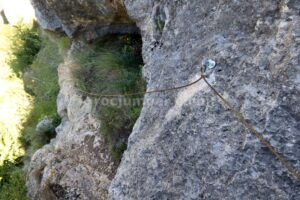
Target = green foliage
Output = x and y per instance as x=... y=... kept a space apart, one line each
x=34 y=59
x=41 y=81
x=116 y=126
x=117 y=151
x=113 y=66
x=64 y=44
x=26 y=44
x=118 y=120
x=12 y=181
x=15 y=104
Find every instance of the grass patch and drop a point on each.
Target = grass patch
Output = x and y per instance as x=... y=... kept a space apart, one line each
x=64 y=44
x=41 y=81
x=113 y=65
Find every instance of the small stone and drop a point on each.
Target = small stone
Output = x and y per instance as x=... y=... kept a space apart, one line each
x=290 y=18
x=44 y=126
x=209 y=63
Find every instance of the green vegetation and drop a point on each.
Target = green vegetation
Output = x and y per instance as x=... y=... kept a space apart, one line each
x=26 y=43
x=15 y=104
x=64 y=44
x=41 y=81
x=28 y=93
x=113 y=65
x=12 y=184
x=116 y=126
x=29 y=87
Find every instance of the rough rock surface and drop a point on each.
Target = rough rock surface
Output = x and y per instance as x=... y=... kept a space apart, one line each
x=186 y=145
x=76 y=164
x=94 y=16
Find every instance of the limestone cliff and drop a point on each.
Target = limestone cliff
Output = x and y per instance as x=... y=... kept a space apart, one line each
x=185 y=144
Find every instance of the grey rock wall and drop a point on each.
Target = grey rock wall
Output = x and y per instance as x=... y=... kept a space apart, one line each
x=73 y=16
x=186 y=145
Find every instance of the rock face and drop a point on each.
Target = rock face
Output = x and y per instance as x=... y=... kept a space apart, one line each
x=76 y=164
x=186 y=144
x=73 y=16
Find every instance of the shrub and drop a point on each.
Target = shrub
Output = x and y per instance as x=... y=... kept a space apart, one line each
x=12 y=181
x=113 y=66
x=34 y=59
x=15 y=104
x=26 y=44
